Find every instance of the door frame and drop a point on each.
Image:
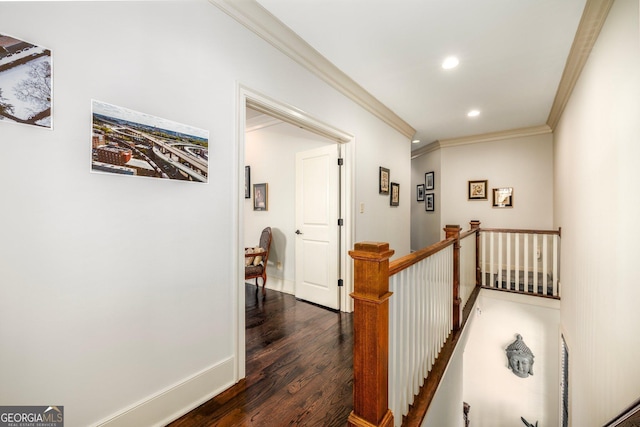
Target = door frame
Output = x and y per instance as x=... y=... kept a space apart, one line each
x=248 y=97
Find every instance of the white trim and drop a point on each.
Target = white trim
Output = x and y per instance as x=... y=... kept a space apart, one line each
x=593 y=17
x=174 y=401
x=257 y=19
x=435 y=145
x=485 y=137
x=521 y=298
x=261 y=122
x=250 y=98
x=496 y=136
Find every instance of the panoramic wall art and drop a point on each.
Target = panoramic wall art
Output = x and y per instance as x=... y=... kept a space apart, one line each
x=25 y=83
x=127 y=142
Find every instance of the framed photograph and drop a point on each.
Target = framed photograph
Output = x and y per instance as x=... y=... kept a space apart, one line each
x=429 y=181
x=25 y=83
x=503 y=197
x=478 y=190
x=395 y=194
x=247 y=182
x=420 y=193
x=260 y=197
x=430 y=202
x=150 y=153
x=384 y=180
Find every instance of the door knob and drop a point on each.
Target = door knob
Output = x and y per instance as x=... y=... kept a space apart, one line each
x=299 y=232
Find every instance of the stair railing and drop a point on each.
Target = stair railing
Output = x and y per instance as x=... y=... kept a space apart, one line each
x=522 y=261
x=410 y=329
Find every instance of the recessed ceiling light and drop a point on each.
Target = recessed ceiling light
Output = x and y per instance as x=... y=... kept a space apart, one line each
x=450 y=62
x=473 y=113
x=415 y=141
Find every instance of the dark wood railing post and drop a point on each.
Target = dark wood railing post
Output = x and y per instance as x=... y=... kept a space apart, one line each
x=475 y=225
x=371 y=335
x=453 y=231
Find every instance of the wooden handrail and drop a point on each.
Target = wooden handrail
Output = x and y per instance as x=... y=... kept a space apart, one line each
x=515 y=230
x=407 y=261
x=372 y=271
x=468 y=233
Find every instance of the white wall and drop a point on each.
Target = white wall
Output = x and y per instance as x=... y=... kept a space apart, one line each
x=271 y=154
x=496 y=395
x=446 y=408
x=597 y=203
x=525 y=164
x=380 y=222
x=119 y=294
x=425 y=226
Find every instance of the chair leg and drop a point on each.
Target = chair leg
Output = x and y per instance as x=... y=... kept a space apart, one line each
x=264 y=282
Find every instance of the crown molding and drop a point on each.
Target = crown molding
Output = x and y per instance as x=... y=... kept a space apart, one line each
x=260 y=122
x=485 y=137
x=496 y=136
x=429 y=148
x=593 y=17
x=257 y=19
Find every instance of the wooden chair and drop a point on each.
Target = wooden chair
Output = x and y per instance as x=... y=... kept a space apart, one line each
x=255 y=271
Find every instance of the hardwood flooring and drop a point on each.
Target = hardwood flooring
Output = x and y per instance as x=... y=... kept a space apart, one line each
x=299 y=368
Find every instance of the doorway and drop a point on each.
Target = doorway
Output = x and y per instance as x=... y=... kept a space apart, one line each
x=273 y=110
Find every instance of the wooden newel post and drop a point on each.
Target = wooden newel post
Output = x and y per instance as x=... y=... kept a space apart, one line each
x=475 y=225
x=454 y=231
x=371 y=335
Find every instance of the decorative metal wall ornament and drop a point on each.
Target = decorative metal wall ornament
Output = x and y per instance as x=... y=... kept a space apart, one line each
x=528 y=424
x=520 y=358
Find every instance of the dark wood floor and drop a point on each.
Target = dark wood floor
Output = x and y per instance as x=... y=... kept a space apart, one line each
x=299 y=368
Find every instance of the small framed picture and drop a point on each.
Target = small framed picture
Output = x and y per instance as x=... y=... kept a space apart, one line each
x=503 y=197
x=420 y=192
x=260 y=197
x=429 y=181
x=478 y=190
x=384 y=180
x=247 y=182
x=395 y=194
x=430 y=202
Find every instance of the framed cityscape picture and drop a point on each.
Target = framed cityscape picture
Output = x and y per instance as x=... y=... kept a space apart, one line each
x=420 y=192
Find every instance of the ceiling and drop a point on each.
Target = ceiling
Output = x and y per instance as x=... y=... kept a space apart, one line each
x=512 y=54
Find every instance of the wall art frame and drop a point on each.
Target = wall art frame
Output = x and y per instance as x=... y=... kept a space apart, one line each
x=247 y=182
x=26 y=83
x=384 y=176
x=503 y=197
x=429 y=180
x=477 y=190
x=162 y=149
x=260 y=197
x=394 y=199
x=420 y=193
x=430 y=202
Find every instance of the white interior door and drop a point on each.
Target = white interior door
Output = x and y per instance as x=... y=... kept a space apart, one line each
x=317 y=231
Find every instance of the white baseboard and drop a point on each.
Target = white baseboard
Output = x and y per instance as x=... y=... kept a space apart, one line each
x=175 y=401
x=277 y=284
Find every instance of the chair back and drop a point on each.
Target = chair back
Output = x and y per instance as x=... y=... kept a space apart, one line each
x=265 y=243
